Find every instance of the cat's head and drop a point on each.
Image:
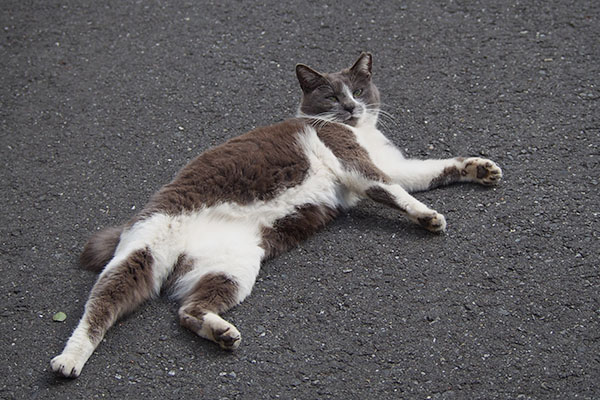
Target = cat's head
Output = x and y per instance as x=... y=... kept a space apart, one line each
x=348 y=96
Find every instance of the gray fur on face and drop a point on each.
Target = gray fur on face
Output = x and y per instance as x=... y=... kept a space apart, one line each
x=345 y=96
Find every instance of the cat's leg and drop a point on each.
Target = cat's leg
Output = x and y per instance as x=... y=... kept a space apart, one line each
x=395 y=196
x=215 y=292
x=417 y=175
x=123 y=285
x=212 y=295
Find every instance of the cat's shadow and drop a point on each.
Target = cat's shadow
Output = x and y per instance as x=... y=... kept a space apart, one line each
x=371 y=218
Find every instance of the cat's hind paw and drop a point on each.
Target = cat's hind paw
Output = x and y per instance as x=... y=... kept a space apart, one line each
x=220 y=331
x=433 y=222
x=67 y=365
x=228 y=339
x=483 y=171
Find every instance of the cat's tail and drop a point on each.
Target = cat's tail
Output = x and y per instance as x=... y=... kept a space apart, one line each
x=100 y=248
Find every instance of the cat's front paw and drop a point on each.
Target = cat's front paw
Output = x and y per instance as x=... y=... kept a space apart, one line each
x=432 y=221
x=481 y=170
x=67 y=365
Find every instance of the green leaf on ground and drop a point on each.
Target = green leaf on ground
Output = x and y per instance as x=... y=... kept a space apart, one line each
x=59 y=316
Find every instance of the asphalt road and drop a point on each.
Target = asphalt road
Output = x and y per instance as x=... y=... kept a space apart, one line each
x=101 y=104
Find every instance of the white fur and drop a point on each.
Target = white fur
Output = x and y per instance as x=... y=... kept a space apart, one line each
x=77 y=351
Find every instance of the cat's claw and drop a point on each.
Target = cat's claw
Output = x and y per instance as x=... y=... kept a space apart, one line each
x=483 y=171
x=66 y=365
x=433 y=222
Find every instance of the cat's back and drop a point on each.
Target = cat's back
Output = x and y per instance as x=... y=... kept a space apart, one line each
x=254 y=166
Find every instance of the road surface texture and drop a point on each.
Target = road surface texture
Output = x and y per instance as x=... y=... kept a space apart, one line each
x=102 y=104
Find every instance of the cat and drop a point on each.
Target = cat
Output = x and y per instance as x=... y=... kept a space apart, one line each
x=203 y=236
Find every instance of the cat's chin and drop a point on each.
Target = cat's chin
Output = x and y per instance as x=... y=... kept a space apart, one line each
x=352 y=121
x=356 y=121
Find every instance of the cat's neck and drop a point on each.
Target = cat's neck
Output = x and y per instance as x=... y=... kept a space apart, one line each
x=368 y=121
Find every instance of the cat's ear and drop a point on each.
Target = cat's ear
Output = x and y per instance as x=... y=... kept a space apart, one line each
x=309 y=78
x=363 y=65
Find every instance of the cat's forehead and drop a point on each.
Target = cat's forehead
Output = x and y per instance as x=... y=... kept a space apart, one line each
x=340 y=79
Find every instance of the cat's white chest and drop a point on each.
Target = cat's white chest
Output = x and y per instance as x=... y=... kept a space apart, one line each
x=381 y=150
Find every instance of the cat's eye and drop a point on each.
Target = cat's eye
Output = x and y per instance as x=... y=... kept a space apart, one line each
x=357 y=93
x=332 y=98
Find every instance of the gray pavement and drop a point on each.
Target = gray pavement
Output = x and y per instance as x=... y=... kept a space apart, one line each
x=101 y=104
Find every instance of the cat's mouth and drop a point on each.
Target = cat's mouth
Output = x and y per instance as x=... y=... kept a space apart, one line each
x=352 y=119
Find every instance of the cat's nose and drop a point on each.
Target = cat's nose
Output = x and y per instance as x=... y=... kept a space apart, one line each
x=349 y=107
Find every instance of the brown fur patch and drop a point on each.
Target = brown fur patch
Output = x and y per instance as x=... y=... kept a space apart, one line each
x=448 y=175
x=182 y=266
x=344 y=146
x=119 y=291
x=380 y=195
x=254 y=166
x=287 y=232
x=212 y=293
x=100 y=248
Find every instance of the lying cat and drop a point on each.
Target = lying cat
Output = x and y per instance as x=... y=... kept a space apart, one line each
x=204 y=235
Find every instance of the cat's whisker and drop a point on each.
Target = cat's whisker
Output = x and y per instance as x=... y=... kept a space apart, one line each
x=383 y=125
x=384 y=117
x=388 y=118
x=319 y=120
